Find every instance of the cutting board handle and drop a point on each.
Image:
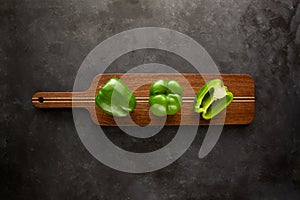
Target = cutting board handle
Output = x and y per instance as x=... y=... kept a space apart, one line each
x=62 y=100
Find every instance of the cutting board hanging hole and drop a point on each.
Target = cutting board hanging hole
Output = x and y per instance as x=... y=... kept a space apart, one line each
x=41 y=99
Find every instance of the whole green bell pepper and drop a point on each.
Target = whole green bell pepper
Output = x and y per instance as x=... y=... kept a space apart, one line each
x=115 y=98
x=165 y=97
x=212 y=98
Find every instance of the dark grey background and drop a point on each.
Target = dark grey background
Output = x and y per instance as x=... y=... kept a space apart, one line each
x=43 y=43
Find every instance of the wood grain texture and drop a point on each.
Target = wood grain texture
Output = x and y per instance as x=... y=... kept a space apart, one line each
x=240 y=111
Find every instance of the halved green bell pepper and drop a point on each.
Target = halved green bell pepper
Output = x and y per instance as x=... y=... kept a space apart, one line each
x=165 y=97
x=212 y=98
x=115 y=98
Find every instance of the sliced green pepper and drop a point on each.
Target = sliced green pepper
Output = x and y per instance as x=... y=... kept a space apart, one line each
x=115 y=98
x=165 y=97
x=212 y=98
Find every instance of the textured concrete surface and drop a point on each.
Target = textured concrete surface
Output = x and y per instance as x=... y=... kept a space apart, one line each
x=42 y=46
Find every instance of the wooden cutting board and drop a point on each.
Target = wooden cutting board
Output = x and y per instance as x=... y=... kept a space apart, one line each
x=240 y=111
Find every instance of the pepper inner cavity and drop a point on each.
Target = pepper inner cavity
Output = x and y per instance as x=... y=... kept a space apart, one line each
x=207 y=98
x=217 y=104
